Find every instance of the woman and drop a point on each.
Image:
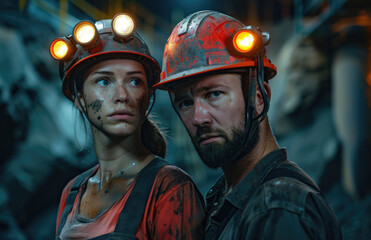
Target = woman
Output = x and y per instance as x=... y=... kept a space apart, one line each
x=131 y=193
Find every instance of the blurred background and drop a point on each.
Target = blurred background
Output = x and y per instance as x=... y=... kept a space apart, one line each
x=320 y=109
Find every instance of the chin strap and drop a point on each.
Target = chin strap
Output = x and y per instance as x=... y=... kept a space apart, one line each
x=261 y=79
x=152 y=103
x=254 y=77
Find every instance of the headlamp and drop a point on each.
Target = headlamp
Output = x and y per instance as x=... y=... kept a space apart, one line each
x=62 y=49
x=90 y=39
x=122 y=26
x=243 y=41
x=248 y=41
x=85 y=33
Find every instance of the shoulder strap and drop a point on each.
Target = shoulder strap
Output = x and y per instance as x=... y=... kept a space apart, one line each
x=134 y=208
x=291 y=171
x=329 y=218
x=72 y=196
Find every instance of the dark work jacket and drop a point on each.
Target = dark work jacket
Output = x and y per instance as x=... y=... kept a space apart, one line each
x=263 y=206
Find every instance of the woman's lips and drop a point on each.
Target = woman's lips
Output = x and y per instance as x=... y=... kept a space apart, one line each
x=121 y=116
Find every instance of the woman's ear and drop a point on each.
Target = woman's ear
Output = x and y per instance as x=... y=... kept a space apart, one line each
x=79 y=101
x=259 y=102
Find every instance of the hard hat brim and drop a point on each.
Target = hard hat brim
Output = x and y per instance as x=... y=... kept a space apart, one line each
x=166 y=83
x=79 y=68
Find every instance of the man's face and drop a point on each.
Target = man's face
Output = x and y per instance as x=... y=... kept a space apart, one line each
x=212 y=109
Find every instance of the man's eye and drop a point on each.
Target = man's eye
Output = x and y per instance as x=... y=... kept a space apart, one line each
x=103 y=82
x=185 y=104
x=214 y=94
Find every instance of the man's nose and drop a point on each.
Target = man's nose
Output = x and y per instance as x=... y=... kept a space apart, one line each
x=121 y=94
x=201 y=115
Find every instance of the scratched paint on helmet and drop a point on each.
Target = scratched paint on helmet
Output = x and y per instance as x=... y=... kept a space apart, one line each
x=202 y=42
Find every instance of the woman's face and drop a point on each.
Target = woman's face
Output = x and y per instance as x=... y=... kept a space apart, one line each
x=115 y=95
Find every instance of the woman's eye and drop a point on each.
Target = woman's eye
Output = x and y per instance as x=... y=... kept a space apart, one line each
x=103 y=82
x=135 y=81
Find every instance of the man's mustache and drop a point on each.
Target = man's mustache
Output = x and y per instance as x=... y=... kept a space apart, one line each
x=202 y=131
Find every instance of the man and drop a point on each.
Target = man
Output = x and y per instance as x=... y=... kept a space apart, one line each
x=216 y=72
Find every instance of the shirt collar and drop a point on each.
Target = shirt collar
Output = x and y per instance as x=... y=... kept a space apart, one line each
x=248 y=185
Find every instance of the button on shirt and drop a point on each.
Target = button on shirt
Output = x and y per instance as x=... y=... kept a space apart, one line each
x=280 y=208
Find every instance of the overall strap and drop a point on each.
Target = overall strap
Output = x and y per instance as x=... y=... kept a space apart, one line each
x=291 y=171
x=134 y=208
x=72 y=196
x=226 y=212
x=328 y=216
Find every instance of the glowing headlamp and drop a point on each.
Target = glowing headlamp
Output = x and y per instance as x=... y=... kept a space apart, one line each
x=248 y=40
x=62 y=49
x=243 y=41
x=86 y=34
x=122 y=26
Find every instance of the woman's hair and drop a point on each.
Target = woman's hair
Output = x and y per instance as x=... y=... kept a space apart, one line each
x=153 y=138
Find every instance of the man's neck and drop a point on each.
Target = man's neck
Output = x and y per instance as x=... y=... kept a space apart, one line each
x=234 y=174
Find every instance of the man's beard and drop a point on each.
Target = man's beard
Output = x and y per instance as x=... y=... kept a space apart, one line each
x=225 y=155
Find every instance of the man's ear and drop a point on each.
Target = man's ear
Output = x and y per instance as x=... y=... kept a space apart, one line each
x=259 y=103
x=77 y=102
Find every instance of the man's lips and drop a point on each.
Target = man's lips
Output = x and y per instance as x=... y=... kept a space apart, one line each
x=206 y=139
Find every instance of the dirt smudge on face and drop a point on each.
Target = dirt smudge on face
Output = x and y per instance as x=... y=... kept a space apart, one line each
x=96 y=105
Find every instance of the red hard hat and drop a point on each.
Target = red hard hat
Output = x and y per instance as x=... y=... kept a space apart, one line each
x=202 y=43
x=108 y=47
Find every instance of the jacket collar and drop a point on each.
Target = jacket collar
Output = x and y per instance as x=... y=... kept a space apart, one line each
x=250 y=183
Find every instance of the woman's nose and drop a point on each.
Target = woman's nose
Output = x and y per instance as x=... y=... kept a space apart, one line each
x=121 y=94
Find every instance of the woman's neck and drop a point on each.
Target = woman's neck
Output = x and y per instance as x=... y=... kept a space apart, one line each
x=124 y=155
